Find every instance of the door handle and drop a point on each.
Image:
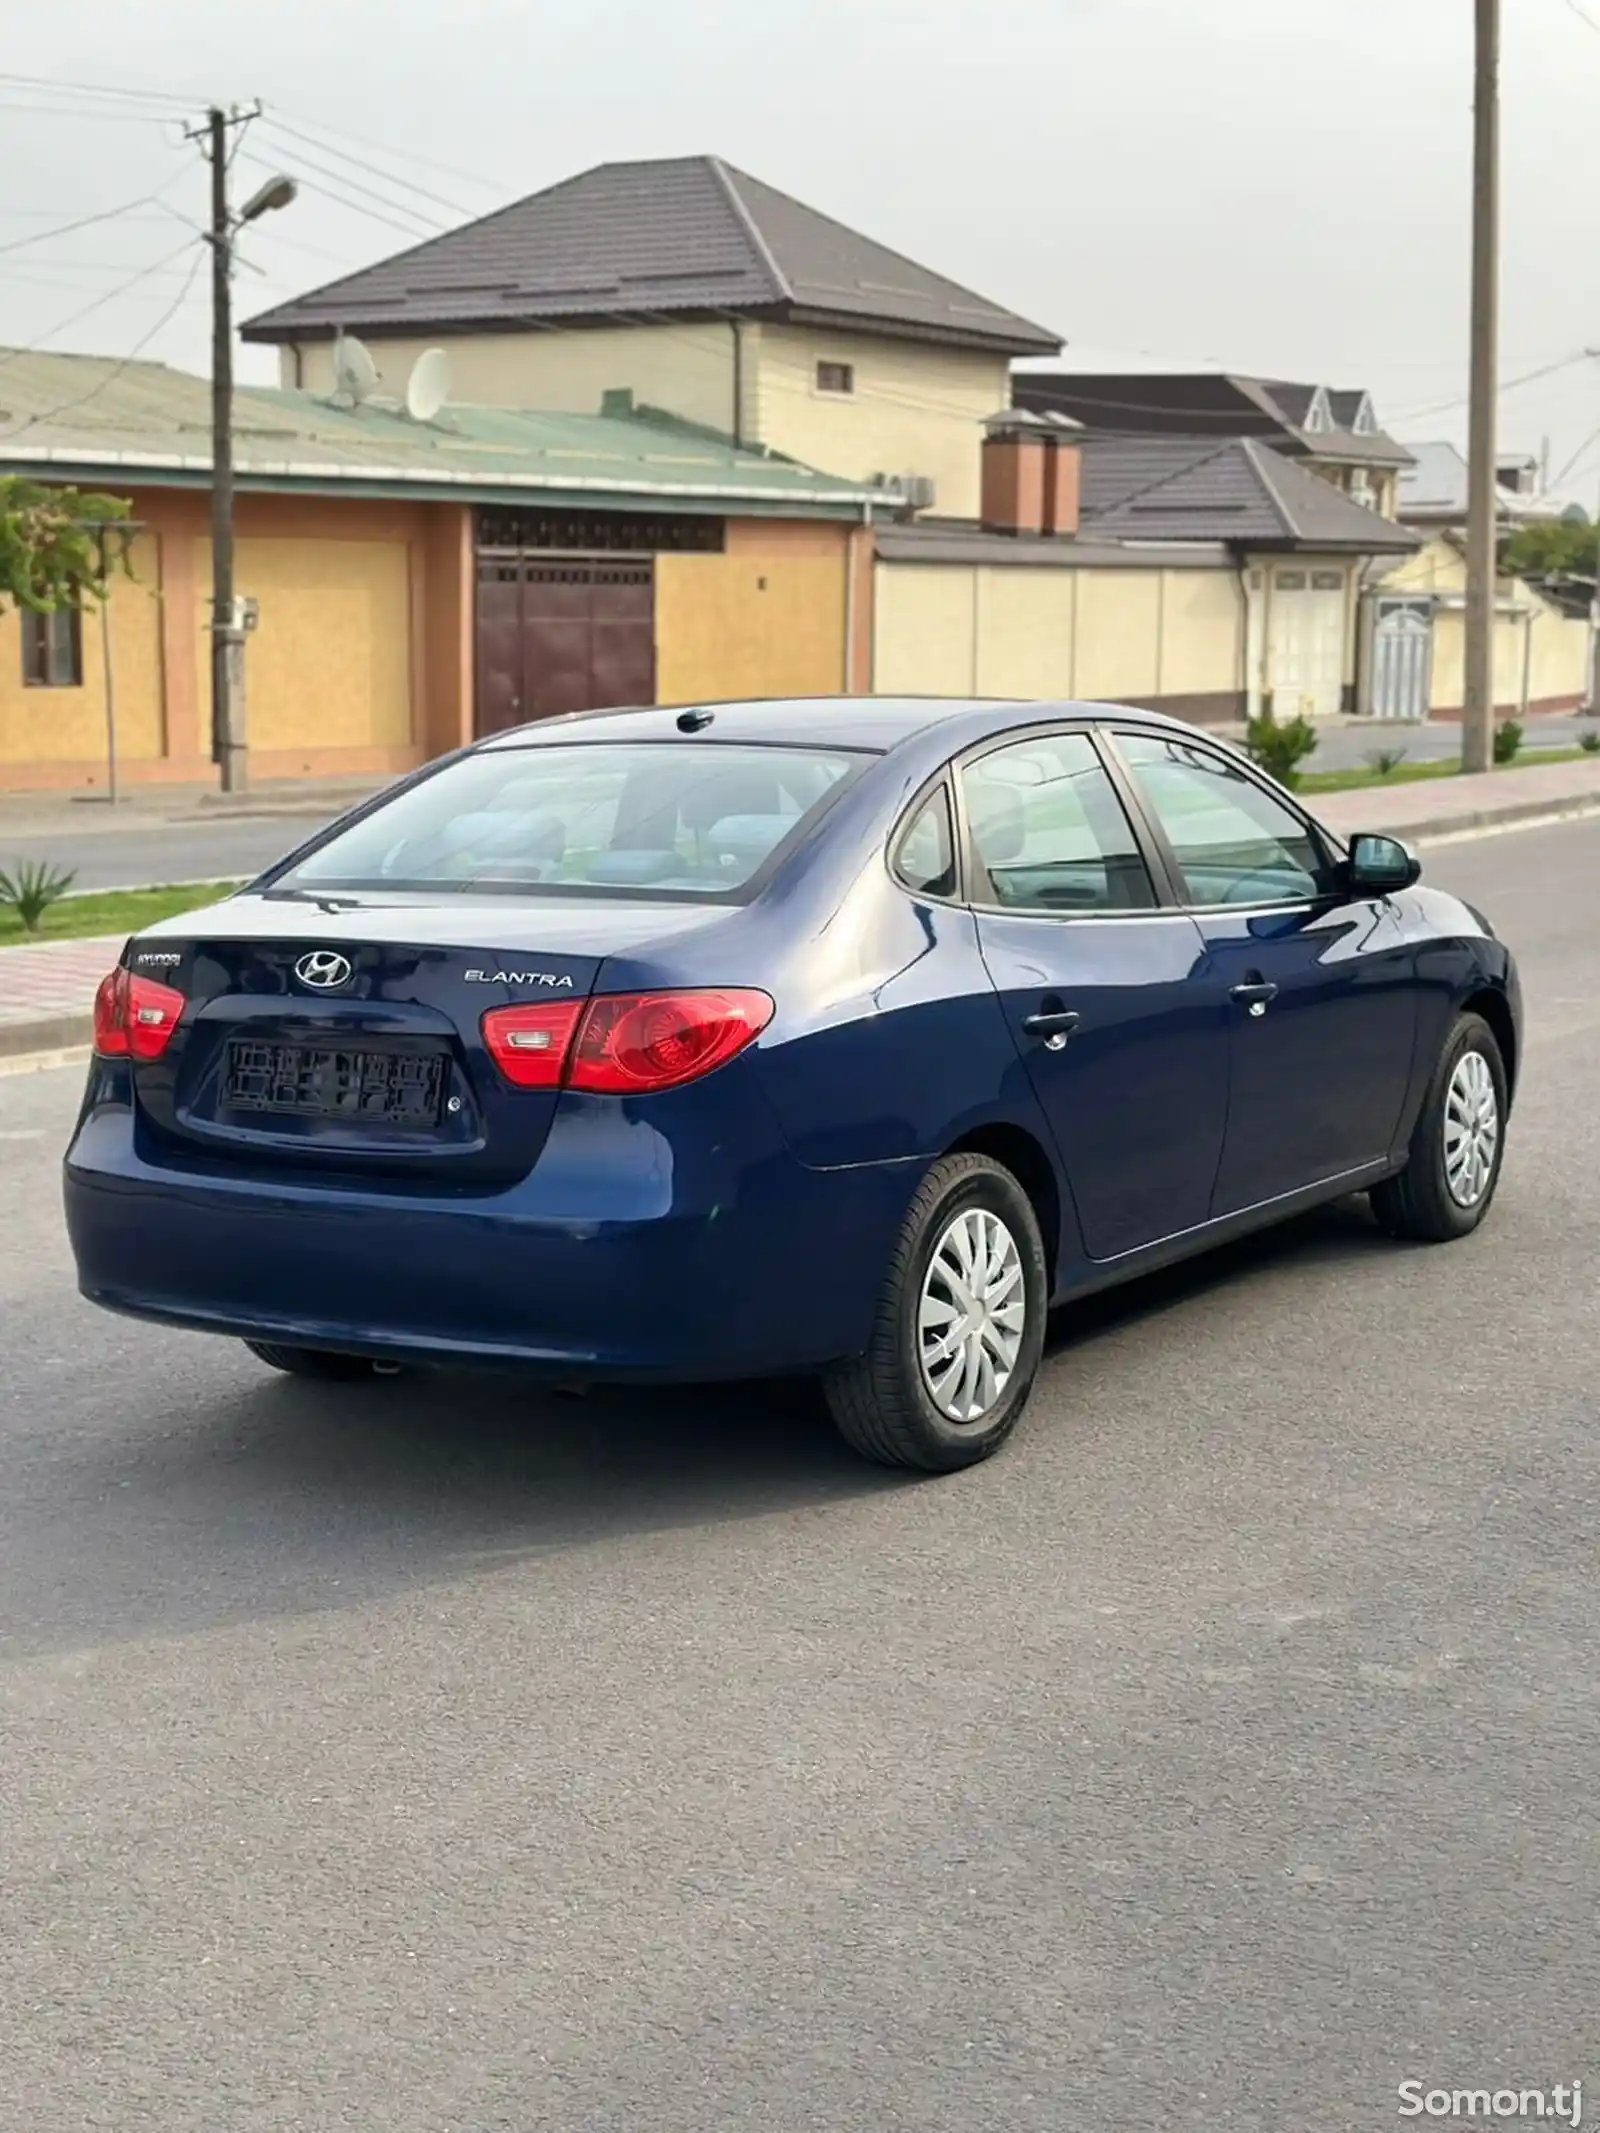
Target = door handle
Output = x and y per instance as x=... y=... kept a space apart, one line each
x=1055 y=1026
x=1254 y=996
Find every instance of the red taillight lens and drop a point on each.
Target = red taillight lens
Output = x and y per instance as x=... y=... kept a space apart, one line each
x=111 y=1016
x=634 y=1045
x=134 y=1017
x=626 y=1044
x=530 y=1044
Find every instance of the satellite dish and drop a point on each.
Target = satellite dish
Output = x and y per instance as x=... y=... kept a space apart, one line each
x=428 y=386
x=355 y=373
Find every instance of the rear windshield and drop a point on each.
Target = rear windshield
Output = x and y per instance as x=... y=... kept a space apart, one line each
x=666 y=819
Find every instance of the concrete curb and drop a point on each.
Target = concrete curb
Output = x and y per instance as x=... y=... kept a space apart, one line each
x=1516 y=814
x=48 y=1033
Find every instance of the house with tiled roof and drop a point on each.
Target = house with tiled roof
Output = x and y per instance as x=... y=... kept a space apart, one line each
x=703 y=291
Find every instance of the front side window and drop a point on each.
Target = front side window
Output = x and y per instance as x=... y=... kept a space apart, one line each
x=1049 y=832
x=674 y=820
x=1234 y=843
x=52 y=649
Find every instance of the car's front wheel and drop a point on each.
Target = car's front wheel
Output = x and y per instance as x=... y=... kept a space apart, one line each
x=960 y=1325
x=1456 y=1145
x=321 y=1363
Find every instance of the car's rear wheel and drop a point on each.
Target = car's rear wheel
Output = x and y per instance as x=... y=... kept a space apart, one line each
x=1457 y=1144
x=320 y=1363
x=960 y=1326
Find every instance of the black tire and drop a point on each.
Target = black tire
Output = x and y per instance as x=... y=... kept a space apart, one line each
x=1419 y=1204
x=320 y=1363
x=881 y=1402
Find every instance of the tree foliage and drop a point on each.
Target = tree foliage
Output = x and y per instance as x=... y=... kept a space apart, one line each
x=52 y=550
x=1552 y=548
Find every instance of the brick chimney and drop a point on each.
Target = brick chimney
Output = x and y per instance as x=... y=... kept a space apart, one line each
x=1014 y=465
x=1063 y=474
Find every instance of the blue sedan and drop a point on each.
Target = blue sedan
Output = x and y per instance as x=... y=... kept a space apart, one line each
x=842 y=1037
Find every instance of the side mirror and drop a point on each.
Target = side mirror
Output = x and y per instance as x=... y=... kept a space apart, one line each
x=1379 y=866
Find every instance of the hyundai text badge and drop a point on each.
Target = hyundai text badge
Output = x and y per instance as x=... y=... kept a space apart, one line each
x=324 y=969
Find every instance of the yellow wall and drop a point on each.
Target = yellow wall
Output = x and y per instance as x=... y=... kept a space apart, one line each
x=924 y=643
x=1033 y=632
x=1202 y=633
x=1556 y=658
x=914 y=410
x=329 y=665
x=1119 y=634
x=69 y=725
x=767 y=618
x=687 y=369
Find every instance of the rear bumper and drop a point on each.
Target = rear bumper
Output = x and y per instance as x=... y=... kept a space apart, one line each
x=777 y=1269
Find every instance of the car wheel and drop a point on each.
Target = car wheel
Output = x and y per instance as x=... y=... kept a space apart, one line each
x=311 y=1362
x=1457 y=1145
x=960 y=1326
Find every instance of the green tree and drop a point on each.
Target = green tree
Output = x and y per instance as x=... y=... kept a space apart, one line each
x=53 y=551
x=1552 y=548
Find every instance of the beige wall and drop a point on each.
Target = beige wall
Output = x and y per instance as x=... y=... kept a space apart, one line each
x=915 y=409
x=1529 y=632
x=685 y=369
x=68 y=725
x=766 y=618
x=1015 y=630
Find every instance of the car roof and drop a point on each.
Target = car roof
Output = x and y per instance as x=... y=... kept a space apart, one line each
x=880 y=723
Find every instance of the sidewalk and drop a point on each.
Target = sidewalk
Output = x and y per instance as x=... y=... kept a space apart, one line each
x=45 y=814
x=47 y=993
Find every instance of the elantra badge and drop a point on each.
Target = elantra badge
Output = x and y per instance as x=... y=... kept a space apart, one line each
x=324 y=969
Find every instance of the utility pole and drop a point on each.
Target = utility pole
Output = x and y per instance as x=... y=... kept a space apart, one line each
x=228 y=747
x=228 y=738
x=1477 y=726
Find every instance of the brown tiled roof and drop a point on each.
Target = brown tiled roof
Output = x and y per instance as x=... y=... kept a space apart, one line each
x=687 y=236
x=1239 y=490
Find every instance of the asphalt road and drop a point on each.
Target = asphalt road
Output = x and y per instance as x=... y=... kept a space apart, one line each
x=144 y=853
x=445 y=1758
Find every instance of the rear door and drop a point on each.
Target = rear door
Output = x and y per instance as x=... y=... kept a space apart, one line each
x=1320 y=988
x=1124 y=1039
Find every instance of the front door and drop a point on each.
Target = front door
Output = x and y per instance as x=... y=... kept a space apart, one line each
x=1321 y=991
x=562 y=633
x=1127 y=1054
x=1402 y=657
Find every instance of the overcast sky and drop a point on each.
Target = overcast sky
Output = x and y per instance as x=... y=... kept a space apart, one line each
x=1279 y=185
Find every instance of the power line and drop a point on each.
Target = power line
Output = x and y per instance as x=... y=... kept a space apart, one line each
x=1528 y=377
x=108 y=296
x=354 y=185
x=67 y=407
x=1583 y=15
x=454 y=207
x=109 y=214
x=312 y=185
x=362 y=140
x=88 y=88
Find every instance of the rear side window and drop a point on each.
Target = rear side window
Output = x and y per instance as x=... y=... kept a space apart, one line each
x=925 y=858
x=1049 y=831
x=685 y=819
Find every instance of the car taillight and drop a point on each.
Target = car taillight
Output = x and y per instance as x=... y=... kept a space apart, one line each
x=530 y=1044
x=625 y=1044
x=134 y=1017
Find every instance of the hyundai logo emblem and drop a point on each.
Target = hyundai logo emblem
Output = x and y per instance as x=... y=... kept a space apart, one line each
x=324 y=969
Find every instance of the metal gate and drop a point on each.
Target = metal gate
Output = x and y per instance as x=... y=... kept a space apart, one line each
x=1402 y=658
x=562 y=633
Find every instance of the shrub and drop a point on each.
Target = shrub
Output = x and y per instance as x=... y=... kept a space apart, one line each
x=1280 y=749
x=1385 y=761
x=30 y=888
x=1507 y=740
x=1589 y=743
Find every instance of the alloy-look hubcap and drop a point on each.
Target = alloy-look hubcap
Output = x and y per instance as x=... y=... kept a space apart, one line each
x=1471 y=1129
x=971 y=1316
